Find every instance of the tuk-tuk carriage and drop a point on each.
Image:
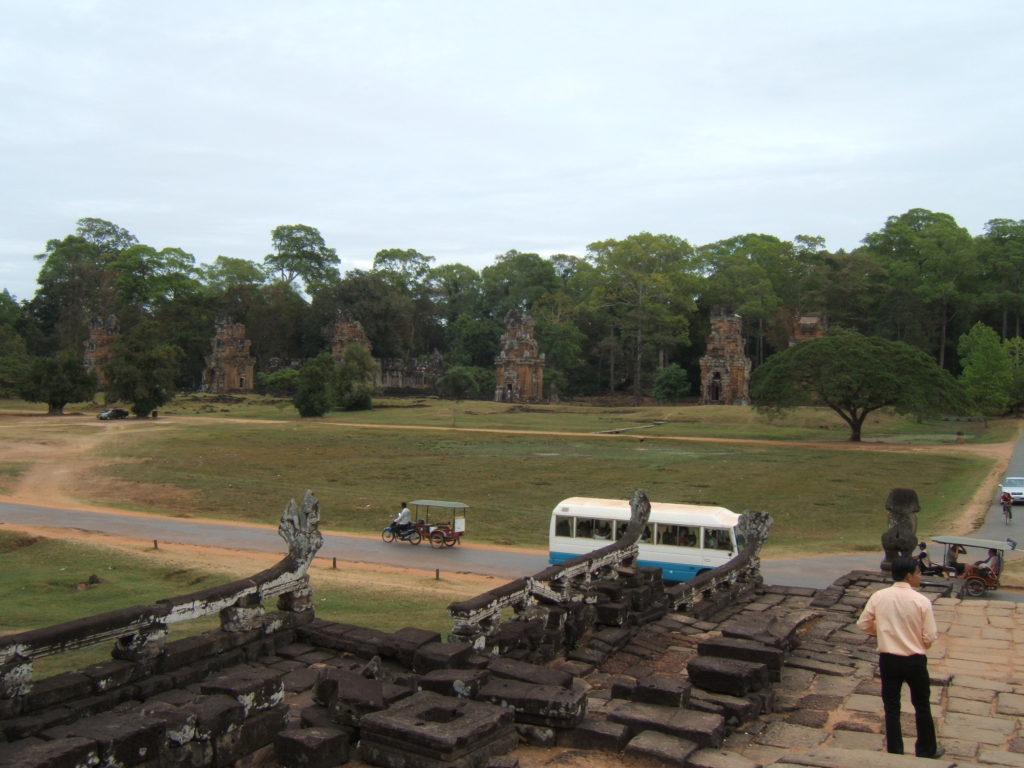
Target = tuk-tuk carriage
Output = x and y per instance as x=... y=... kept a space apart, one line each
x=442 y=523
x=976 y=579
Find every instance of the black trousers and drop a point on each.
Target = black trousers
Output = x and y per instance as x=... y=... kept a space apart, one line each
x=912 y=670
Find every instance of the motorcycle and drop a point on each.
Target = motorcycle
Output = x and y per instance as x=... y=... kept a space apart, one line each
x=394 y=531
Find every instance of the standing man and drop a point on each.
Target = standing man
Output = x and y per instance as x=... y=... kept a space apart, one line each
x=902 y=620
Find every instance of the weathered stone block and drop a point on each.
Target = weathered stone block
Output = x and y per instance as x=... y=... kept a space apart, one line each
x=70 y=752
x=428 y=729
x=744 y=650
x=312 y=747
x=665 y=749
x=703 y=728
x=363 y=642
x=215 y=715
x=465 y=683
x=255 y=688
x=440 y=656
x=661 y=689
x=613 y=614
x=110 y=674
x=57 y=690
x=188 y=650
x=122 y=741
x=529 y=673
x=600 y=735
x=402 y=644
x=537 y=704
x=731 y=676
x=179 y=724
x=29 y=725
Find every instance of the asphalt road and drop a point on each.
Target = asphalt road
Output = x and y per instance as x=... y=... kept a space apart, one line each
x=505 y=563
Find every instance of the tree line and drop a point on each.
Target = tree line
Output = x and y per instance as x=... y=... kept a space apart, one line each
x=607 y=321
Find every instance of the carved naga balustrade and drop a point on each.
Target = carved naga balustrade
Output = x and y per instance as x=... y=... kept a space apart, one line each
x=140 y=631
x=552 y=593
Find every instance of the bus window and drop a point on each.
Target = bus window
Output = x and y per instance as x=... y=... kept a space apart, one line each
x=563 y=525
x=687 y=536
x=717 y=538
x=648 y=533
x=620 y=530
x=584 y=528
x=668 y=535
x=602 y=529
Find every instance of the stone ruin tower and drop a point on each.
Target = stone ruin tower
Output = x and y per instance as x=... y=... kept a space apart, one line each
x=807 y=327
x=229 y=367
x=725 y=369
x=347 y=330
x=99 y=347
x=519 y=366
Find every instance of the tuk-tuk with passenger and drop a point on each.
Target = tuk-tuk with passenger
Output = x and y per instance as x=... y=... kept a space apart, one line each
x=978 y=575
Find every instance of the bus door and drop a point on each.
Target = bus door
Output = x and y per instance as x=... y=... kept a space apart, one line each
x=717 y=547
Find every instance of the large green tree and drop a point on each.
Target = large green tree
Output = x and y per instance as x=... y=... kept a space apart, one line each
x=300 y=252
x=57 y=381
x=932 y=270
x=987 y=374
x=143 y=368
x=647 y=283
x=854 y=375
x=1001 y=258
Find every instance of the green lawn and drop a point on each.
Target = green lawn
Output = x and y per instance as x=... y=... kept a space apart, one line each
x=822 y=499
x=46 y=582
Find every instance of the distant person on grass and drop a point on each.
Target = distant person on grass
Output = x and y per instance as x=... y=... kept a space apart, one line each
x=902 y=620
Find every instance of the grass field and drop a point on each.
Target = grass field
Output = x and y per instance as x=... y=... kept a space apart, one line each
x=824 y=498
x=46 y=582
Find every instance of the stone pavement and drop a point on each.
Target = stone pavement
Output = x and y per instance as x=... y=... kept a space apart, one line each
x=826 y=711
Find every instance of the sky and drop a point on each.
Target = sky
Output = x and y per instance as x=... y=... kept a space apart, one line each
x=464 y=129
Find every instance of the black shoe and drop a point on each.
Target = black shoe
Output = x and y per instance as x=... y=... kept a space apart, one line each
x=939 y=752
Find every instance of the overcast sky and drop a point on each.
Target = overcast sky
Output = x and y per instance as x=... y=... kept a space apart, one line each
x=466 y=129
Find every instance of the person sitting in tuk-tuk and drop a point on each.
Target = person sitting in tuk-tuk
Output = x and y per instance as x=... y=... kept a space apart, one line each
x=953 y=552
x=928 y=568
x=990 y=565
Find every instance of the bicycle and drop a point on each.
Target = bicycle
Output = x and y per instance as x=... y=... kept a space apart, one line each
x=1007 y=512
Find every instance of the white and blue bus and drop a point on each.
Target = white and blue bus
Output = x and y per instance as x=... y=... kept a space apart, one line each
x=681 y=539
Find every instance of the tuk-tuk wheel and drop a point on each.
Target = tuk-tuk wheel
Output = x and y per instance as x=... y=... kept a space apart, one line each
x=974 y=587
x=437 y=540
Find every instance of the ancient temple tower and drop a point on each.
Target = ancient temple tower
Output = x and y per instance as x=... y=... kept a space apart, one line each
x=229 y=367
x=724 y=369
x=99 y=347
x=347 y=330
x=519 y=365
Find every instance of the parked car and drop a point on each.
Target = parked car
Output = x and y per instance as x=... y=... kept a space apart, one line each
x=113 y=413
x=1015 y=487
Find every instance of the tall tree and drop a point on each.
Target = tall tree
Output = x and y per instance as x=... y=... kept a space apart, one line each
x=57 y=381
x=1001 y=257
x=854 y=375
x=647 y=282
x=300 y=252
x=143 y=368
x=987 y=375
x=931 y=263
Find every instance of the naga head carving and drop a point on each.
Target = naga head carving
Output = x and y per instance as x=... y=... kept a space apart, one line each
x=300 y=528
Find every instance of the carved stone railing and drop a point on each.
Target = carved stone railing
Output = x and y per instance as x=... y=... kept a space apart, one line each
x=478 y=619
x=140 y=631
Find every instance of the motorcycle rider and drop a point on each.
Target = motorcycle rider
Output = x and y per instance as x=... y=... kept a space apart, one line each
x=403 y=522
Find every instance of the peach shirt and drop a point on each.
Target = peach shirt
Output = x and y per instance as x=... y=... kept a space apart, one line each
x=901 y=618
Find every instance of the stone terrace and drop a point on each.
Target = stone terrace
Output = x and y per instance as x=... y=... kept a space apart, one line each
x=638 y=695
x=826 y=710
